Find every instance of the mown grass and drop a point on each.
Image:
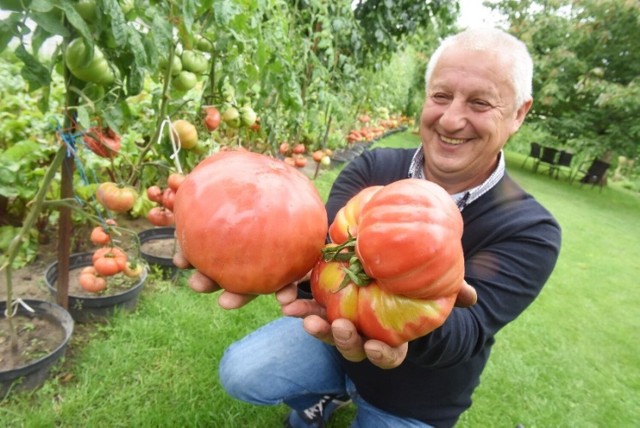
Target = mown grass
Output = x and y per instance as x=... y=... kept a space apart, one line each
x=571 y=360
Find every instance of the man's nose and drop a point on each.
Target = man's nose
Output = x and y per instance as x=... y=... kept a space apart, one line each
x=454 y=116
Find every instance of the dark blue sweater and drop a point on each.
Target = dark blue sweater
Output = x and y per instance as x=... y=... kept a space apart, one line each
x=511 y=244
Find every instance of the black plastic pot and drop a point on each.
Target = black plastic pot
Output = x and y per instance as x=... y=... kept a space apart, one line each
x=94 y=308
x=33 y=374
x=164 y=263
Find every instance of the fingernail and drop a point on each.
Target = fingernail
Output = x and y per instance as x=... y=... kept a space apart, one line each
x=342 y=334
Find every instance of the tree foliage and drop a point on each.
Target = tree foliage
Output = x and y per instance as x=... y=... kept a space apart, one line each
x=587 y=56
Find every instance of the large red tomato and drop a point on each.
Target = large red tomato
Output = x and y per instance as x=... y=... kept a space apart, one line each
x=396 y=264
x=249 y=222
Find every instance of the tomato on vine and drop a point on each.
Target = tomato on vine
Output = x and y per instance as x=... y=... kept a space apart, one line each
x=109 y=261
x=115 y=197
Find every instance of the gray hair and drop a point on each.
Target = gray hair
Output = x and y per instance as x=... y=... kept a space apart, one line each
x=511 y=49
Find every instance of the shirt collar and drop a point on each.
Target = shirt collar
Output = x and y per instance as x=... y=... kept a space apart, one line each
x=464 y=198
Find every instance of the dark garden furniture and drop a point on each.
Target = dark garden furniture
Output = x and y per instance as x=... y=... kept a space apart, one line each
x=594 y=175
x=534 y=153
x=548 y=158
x=563 y=164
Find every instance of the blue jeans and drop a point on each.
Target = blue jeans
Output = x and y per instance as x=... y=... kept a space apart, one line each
x=281 y=363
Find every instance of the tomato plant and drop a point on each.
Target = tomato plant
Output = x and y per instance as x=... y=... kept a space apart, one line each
x=249 y=222
x=396 y=264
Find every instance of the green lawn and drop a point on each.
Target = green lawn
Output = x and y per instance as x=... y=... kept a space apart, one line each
x=571 y=360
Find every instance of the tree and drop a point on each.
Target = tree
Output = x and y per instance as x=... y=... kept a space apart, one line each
x=587 y=77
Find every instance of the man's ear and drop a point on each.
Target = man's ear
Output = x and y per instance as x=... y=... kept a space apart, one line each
x=521 y=113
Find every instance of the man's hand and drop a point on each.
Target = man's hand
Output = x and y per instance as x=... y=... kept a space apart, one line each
x=467 y=296
x=203 y=284
x=343 y=334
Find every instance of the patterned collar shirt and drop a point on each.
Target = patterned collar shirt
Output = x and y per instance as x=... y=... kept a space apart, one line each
x=464 y=198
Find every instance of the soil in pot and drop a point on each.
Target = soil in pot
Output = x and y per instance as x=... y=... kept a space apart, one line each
x=42 y=339
x=157 y=247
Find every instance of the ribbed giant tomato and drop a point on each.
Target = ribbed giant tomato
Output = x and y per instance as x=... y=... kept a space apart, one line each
x=396 y=264
x=249 y=222
x=409 y=240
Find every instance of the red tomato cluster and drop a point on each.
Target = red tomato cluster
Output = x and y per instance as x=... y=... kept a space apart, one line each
x=162 y=215
x=107 y=260
x=395 y=264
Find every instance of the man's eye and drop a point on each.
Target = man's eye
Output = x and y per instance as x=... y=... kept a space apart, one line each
x=440 y=97
x=480 y=105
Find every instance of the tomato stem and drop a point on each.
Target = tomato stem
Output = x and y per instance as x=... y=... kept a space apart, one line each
x=345 y=252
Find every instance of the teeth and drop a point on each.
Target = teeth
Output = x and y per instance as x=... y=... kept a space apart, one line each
x=454 y=141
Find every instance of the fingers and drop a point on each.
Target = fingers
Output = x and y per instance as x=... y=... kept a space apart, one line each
x=467 y=296
x=202 y=284
x=180 y=261
x=228 y=300
x=385 y=356
x=319 y=328
x=347 y=340
x=287 y=294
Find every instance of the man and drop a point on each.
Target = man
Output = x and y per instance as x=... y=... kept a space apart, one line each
x=478 y=92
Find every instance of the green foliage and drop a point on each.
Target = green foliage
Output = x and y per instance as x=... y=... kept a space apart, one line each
x=587 y=57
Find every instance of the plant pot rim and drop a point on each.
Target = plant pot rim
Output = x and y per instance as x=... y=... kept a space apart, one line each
x=66 y=322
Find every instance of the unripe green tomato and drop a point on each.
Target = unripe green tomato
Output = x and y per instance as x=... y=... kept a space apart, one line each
x=203 y=44
x=194 y=62
x=247 y=116
x=231 y=117
x=325 y=161
x=96 y=69
x=86 y=9
x=184 y=81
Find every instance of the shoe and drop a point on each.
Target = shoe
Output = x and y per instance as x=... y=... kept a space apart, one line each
x=317 y=415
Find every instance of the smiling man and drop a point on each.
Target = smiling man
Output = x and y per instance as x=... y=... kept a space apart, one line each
x=478 y=92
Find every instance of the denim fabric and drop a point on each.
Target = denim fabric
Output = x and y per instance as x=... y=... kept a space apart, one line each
x=281 y=363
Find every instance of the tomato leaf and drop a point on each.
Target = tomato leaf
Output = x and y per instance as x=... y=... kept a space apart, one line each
x=78 y=23
x=36 y=74
x=50 y=21
x=118 y=22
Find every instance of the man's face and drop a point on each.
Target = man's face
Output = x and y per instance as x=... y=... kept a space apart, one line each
x=468 y=115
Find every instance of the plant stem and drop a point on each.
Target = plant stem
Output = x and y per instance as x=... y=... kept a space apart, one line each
x=16 y=242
